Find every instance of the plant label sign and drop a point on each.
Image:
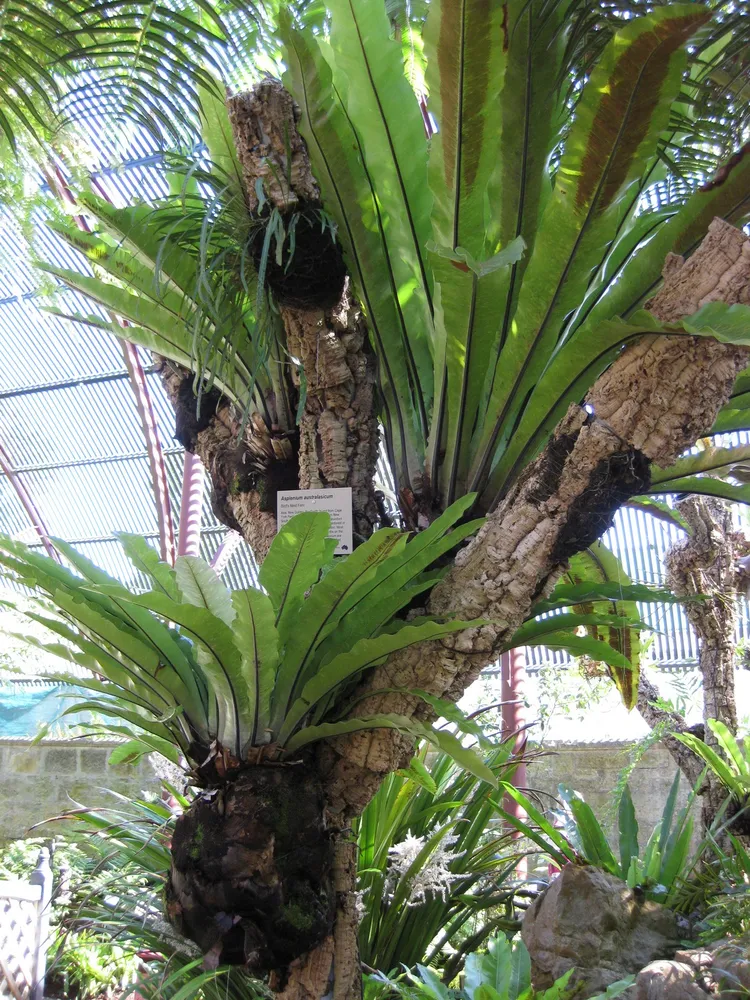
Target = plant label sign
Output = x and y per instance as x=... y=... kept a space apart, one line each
x=337 y=502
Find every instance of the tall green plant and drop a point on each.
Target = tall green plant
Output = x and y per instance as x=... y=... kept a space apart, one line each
x=731 y=765
x=658 y=867
x=434 y=865
x=494 y=341
x=503 y=264
x=117 y=898
x=503 y=972
x=225 y=678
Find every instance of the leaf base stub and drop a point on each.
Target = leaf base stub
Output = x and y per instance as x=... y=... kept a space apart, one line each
x=251 y=877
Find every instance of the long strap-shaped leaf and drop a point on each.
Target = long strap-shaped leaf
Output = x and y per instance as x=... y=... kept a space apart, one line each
x=575 y=366
x=364 y=654
x=321 y=612
x=220 y=660
x=383 y=106
x=532 y=113
x=466 y=48
x=258 y=640
x=349 y=193
x=293 y=562
x=598 y=564
x=441 y=738
x=466 y=296
x=172 y=661
x=622 y=111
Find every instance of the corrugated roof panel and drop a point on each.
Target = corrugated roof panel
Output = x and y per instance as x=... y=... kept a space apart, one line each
x=135 y=183
x=92 y=501
x=79 y=423
x=162 y=410
x=14 y=520
x=37 y=348
x=241 y=570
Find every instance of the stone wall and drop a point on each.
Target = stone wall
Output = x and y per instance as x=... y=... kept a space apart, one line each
x=593 y=770
x=37 y=782
x=43 y=780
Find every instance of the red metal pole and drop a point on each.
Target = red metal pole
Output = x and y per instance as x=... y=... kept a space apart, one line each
x=189 y=539
x=27 y=501
x=513 y=675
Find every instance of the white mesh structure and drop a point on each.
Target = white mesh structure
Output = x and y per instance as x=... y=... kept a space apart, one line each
x=24 y=933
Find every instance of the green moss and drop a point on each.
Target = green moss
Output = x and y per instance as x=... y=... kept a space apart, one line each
x=195 y=850
x=297 y=917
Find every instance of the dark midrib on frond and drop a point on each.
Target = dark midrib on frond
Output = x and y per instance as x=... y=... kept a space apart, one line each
x=745 y=199
x=293 y=570
x=399 y=174
x=256 y=662
x=600 y=566
x=695 y=484
x=521 y=204
x=334 y=607
x=459 y=127
x=626 y=217
x=232 y=693
x=372 y=322
x=439 y=415
x=104 y=642
x=178 y=319
x=561 y=281
x=124 y=608
x=417 y=388
x=605 y=287
x=464 y=389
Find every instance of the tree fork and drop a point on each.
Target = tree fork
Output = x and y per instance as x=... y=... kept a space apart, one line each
x=213 y=435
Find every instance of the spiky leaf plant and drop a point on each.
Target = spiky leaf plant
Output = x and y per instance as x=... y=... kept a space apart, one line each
x=239 y=685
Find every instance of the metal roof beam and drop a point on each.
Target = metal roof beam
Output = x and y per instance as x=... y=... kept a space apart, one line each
x=77 y=463
x=156 y=461
x=71 y=383
x=191 y=506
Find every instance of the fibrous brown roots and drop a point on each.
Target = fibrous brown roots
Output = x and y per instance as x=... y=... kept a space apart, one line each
x=252 y=869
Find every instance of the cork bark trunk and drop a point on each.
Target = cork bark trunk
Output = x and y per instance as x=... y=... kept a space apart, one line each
x=324 y=336
x=657 y=398
x=706 y=563
x=655 y=401
x=338 y=426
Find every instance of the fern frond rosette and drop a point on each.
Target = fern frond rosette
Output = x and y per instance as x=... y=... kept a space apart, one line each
x=239 y=684
x=229 y=678
x=520 y=229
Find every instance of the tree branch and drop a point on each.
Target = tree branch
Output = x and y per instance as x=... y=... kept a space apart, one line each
x=654 y=402
x=685 y=759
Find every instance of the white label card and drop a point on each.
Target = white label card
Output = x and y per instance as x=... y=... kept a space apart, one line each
x=337 y=502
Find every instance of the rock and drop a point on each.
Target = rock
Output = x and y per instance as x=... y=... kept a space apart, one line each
x=668 y=981
x=592 y=922
x=698 y=959
x=731 y=970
